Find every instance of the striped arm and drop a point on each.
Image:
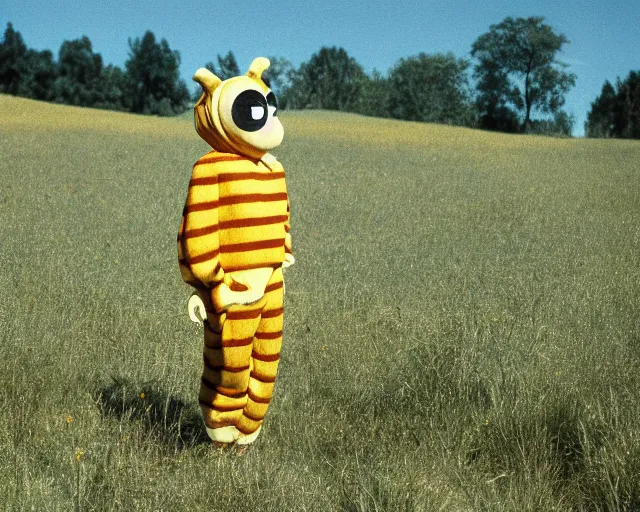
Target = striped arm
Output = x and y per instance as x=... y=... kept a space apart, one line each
x=252 y=216
x=287 y=229
x=236 y=218
x=198 y=239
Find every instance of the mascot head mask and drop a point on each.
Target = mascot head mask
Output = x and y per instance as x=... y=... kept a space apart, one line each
x=238 y=115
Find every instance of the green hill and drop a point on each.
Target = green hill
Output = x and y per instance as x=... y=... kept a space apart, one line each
x=462 y=326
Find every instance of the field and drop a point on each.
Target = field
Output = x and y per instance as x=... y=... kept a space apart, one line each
x=462 y=324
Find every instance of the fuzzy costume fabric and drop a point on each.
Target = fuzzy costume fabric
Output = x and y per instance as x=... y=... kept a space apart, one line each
x=232 y=245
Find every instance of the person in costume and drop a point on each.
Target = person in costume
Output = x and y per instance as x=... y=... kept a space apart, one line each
x=233 y=243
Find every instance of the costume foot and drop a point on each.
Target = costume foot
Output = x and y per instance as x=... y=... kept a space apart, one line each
x=224 y=435
x=244 y=439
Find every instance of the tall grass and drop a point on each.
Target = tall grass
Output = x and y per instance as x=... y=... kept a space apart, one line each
x=461 y=326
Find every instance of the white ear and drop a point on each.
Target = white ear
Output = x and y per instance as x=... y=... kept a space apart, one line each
x=207 y=80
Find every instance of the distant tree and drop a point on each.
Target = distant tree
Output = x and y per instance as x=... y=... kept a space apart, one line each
x=517 y=72
x=330 y=80
x=431 y=88
x=40 y=75
x=13 y=52
x=497 y=94
x=374 y=95
x=628 y=115
x=278 y=76
x=153 y=81
x=601 y=119
x=113 y=88
x=616 y=112
x=227 y=66
x=560 y=125
x=563 y=123
x=23 y=71
x=211 y=67
x=79 y=70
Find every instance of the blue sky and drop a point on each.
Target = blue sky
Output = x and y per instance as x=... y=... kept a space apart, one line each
x=604 y=36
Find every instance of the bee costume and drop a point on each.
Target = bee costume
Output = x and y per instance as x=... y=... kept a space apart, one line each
x=232 y=246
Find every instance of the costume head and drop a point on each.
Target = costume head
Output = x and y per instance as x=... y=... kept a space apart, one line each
x=238 y=115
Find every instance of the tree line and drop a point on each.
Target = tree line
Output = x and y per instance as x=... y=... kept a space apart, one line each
x=149 y=84
x=616 y=111
x=516 y=84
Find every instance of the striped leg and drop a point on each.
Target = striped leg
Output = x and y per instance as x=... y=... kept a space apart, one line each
x=228 y=343
x=264 y=360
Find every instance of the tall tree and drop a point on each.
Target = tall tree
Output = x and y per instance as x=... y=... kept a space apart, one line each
x=601 y=119
x=431 y=88
x=13 y=52
x=629 y=106
x=113 y=88
x=154 y=84
x=374 y=95
x=227 y=66
x=517 y=71
x=496 y=95
x=40 y=75
x=561 y=124
x=23 y=71
x=79 y=70
x=330 y=80
x=616 y=112
x=278 y=75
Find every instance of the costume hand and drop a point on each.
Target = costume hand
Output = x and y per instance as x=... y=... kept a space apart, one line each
x=240 y=287
x=197 y=312
x=288 y=260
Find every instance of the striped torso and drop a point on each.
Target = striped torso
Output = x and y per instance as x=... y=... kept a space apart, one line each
x=236 y=217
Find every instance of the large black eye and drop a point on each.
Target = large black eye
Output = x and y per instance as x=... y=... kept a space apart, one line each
x=250 y=111
x=272 y=101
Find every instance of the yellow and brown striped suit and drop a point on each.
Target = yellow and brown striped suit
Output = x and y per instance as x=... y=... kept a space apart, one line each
x=236 y=223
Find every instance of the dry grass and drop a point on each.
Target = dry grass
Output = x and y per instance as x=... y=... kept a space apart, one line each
x=462 y=328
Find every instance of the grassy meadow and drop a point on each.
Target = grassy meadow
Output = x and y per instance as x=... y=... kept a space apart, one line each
x=462 y=324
